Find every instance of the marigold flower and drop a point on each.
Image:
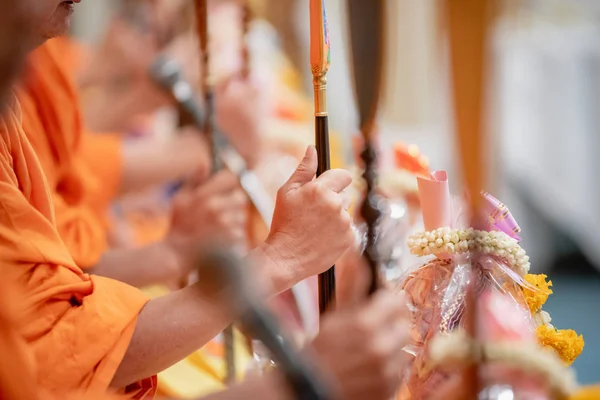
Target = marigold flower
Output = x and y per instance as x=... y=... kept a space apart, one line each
x=536 y=298
x=567 y=344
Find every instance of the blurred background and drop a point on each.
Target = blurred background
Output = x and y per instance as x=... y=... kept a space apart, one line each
x=544 y=120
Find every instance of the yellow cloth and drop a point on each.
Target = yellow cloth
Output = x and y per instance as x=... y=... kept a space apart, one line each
x=203 y=372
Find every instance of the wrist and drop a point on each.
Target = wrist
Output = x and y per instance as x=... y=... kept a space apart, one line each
x=277 y=263
x=176 y=255
x=191 y=154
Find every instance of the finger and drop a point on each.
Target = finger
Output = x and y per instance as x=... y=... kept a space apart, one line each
x=346 y=199
x=220 y=183
x=236 y=198
x=223 y=204
x=385 y=307
x=200 y=176
x=335 y=179
x=223 y=86
x=353 y=280
x=234 y=218
x=399 y=335
x=234 y=236
x=305 y=171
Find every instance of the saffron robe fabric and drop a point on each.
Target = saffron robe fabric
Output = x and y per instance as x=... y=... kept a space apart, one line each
x=16 y=362
x=82 y=168
x=80 y=325
x=83 y=173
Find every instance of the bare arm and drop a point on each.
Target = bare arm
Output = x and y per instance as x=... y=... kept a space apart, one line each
x=310 y=231
x=268 y=387
x=153 y=162
x=149 y=265
x=171 y=327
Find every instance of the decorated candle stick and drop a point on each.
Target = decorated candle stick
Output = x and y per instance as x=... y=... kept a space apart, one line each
x=320 y=59
x=246 y=19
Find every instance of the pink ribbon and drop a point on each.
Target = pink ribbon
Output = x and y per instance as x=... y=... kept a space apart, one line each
x=498 y=217
x=438 y=212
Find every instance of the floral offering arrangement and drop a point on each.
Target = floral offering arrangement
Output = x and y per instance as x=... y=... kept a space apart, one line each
x=516 y=344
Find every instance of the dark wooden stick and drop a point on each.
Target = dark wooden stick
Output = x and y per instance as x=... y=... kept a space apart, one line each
x=246 y=19
x=319 y=61
x=367 y=42
x=468 y=34
x=209 y=130
x=207 y=87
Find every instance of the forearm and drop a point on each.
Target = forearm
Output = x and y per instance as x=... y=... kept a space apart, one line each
x=149 y=162
x=146 y=164
x=148 y=265
x=268 y=387
x=171 y=327
x=168 y=329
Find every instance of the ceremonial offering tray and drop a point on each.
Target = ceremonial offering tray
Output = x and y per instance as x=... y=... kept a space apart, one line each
x=514 y=335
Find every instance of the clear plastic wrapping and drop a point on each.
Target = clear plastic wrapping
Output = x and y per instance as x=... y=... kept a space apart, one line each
x=493 y=266
x=435 y=294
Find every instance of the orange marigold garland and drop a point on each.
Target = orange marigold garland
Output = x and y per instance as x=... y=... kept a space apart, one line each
x=567 y=344
x=537 y=297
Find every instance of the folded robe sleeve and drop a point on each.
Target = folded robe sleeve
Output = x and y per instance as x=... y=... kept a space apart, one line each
x=82 y=325
x=83 y=170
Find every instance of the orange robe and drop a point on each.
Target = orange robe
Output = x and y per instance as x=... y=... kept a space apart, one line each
x=83 y=324
x=16 y=364
x=83 y=169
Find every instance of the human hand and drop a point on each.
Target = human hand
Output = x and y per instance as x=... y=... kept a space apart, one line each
x=311 y=226
x=212 y=211
x=360 y=347
x=241 y=110
x=352 y=278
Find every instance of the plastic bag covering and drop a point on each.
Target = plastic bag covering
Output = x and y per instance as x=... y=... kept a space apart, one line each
x=501 y=320
x=392 y=231
x=436 y=298
x=436 y=291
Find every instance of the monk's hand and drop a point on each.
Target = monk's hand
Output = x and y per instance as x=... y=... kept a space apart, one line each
x=352 y=278
x=359 y=347
x=311 y=226
x=241 y=110
x=214 y=211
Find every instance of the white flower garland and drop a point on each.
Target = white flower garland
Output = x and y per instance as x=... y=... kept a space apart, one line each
x=458 y=241
x=457 y=349
x=542 y=318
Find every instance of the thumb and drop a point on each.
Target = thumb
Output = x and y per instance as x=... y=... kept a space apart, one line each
x=305 y=172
